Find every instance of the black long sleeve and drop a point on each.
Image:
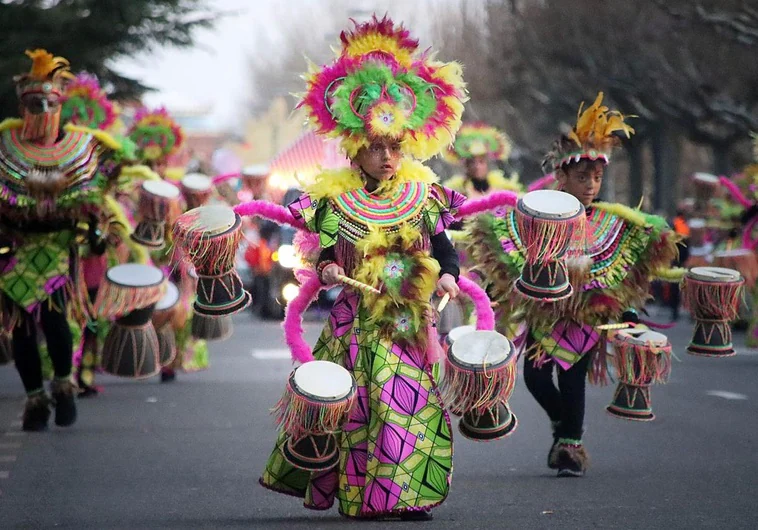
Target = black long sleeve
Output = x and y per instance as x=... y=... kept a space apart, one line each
x=445 y=254
x=327 y=254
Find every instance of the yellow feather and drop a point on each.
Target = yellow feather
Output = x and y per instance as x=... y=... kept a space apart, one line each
x=103 y=137
x=11 y=123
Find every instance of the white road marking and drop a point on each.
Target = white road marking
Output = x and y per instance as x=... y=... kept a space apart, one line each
x=15 y=434
x=6 y=446
x=726 y=395
x=280 y=353
x=5 y=474
x=16 y=423
x=152 y=400
x=7 y=458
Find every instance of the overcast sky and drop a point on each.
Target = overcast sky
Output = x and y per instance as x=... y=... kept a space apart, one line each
x=213 y=72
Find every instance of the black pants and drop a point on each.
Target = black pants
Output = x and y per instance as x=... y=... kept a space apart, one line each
x=60 y=343
x=564 y=404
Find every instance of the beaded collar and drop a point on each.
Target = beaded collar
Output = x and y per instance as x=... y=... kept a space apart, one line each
x=73 y=145
x=362 y=207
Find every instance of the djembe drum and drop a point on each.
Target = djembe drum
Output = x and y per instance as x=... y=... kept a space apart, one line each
x=701 y=249
x=164 y=313
x=209 y=237
x=197 y=189
x=211 y=327
x=480 y=374
x=130 y=293
x=713 y=296
x=549 y=222
x=156 y=200
x=316 y=404
x=742 y=260
x=641 y=357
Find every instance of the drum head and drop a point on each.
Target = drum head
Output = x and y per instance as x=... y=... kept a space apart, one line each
x=644 y=336
x=169 y=299
x=705 y=178
x=714 y=274
x=458 y=332
x=550 y=204
x=481 y=350
x=161 y=189
x=135 y=275
x=210 y=220
x=197 y=182
x=734 y=253
x=323 y=380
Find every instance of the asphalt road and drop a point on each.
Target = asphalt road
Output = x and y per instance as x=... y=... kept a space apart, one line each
x=189 y=454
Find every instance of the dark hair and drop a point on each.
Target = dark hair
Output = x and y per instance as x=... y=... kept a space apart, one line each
x=559 y=149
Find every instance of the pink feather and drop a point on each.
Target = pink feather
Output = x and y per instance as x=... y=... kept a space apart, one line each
x=542 y=183
x=735 y=192
x=218 y=179
x=492 y=201
x=293 y=318
x=307 y=244
x=268 y=210
x=485 y=316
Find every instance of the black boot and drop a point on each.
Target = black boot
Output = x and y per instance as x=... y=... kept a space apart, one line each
x=64 y=392
x=552 y=455
x=167 y=375
x=573 y=460
x=36 y=412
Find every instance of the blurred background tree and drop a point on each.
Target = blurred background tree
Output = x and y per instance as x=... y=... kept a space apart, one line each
x=92 y=34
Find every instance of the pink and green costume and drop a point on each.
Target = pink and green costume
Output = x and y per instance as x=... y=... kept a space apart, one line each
x=396 y=449
x=625 y=248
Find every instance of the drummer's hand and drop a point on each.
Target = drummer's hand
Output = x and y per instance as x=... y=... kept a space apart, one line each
x=447 y=285
x=330 y=273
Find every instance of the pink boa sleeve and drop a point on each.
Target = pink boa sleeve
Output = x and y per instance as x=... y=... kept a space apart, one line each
x=735 y=192
x=485 y=316
x=269 y=210
x=497 y=199
x=310 y=285
x=542 y=183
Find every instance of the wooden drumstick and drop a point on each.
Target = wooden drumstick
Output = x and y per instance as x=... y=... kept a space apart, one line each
x=443 y=302
x=358 y=285
x=609 y=327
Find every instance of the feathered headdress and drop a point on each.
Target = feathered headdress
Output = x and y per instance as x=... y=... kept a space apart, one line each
x=593 y=137
x=479 y=139
x=379 y=85
x=156 y=134
x=86 y=104
x=48 y=74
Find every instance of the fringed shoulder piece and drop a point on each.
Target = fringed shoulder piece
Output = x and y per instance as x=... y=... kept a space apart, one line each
x=493 y=244
x=103 y=137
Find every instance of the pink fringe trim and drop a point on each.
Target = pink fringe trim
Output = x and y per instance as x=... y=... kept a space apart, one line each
x=218 y=179
x=735 y=192
x=542 y=183
x=307 y=244
x=747 y=238
x=293 y=318
x=485 y=316
x=492 y=201
x=269 y=210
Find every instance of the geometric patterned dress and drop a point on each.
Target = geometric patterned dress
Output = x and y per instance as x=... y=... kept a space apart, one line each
x=396 y=448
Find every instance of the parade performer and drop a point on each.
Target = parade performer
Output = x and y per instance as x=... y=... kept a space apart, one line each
x=476 y=146
x=158 y=136
x=86 y=104
x=609 y=275
x=53 y=183
x=380 y=222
